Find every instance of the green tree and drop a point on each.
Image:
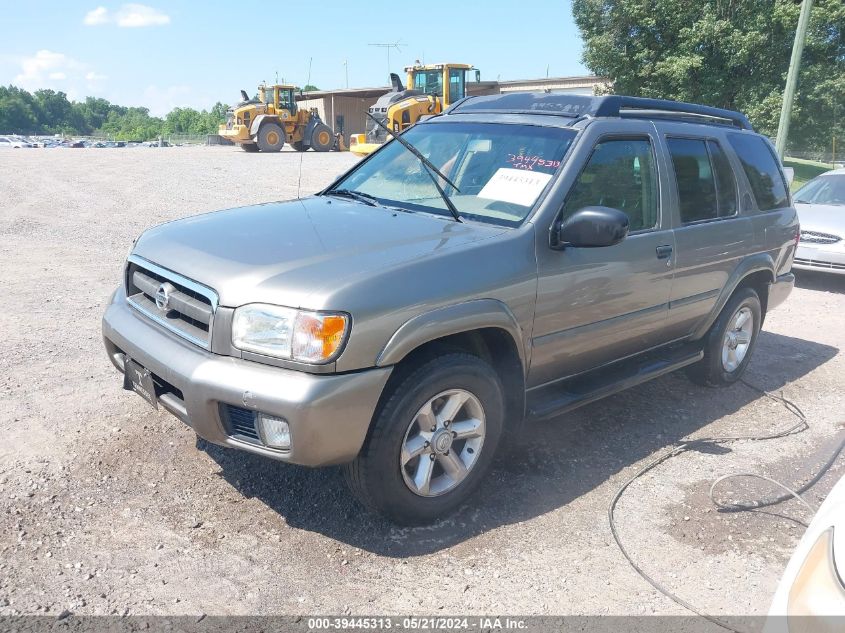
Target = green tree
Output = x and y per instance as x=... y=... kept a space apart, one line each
x=47 y=112
x=132 y=124
x=92 y=112
x=55 y=112
x=18 y=111
x=310 y=88
x=727 y=53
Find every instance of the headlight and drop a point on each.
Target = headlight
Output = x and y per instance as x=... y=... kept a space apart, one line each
x=308 y=337
x=818 y=590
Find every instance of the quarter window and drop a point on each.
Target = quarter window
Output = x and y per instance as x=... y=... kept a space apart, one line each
x=620 y=174
x=725 y=180
x=762 y=170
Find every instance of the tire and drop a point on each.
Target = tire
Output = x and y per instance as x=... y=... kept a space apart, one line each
x=271 y=137
x=322 y=138
x=249 y=147
x=299 y=146
x=719 y=368
x=378 y=477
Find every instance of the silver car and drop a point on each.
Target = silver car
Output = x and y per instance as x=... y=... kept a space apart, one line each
x=821 y=211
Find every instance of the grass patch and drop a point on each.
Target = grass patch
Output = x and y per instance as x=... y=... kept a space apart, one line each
x=805 y=170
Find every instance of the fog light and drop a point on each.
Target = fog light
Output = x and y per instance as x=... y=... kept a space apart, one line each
x=274 y=432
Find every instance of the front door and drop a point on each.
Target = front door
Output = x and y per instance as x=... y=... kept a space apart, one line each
x=596 y=305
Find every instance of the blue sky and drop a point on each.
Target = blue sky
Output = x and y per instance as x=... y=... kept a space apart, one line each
x=164 y=54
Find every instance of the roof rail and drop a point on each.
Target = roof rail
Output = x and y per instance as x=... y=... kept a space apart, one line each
x=617 y=105
x=578 y=106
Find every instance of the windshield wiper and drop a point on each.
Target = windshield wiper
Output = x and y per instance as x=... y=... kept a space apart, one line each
x=355 y=195
x=430 y=169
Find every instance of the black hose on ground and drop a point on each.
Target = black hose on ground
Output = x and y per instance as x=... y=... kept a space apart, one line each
x=687 y=445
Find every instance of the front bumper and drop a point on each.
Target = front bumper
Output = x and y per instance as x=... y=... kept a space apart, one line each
x=235 y=133
x=828 y=258
x=328 y=414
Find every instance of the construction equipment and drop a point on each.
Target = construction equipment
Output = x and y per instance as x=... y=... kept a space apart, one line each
x=431 y=89
x=264 y=124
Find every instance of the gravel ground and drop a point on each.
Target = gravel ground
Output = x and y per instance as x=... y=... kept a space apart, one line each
x=109 y=507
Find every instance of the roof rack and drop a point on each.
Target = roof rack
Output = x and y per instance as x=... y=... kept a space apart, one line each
x=578 y=106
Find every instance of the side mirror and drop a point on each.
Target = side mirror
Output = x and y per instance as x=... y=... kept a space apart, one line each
x=789 y=172
x=592 y=227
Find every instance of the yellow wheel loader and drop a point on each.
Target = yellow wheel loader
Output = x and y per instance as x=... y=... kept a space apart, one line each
x=431 y=89
x=267 y=123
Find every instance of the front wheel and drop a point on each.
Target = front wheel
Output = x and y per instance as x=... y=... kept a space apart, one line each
x=730 y=342
x=432 y=441
x=271 y=137
x=322 y=138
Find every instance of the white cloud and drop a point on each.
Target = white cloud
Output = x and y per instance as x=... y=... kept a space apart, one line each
x=49 y=69
x=100 y=15
x=135 y=15
x=44 y=68
x=128 y=16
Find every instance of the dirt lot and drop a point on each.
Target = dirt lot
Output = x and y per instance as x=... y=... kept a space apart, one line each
x=109 y=507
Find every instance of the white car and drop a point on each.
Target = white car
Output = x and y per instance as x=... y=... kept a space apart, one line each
x=12 y=141
x=813 y=583
x=821 y=213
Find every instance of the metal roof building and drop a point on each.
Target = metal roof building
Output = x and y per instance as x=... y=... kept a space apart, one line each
x=345 y=109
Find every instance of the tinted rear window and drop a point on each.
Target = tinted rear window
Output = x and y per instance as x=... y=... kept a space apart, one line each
x=762 y=170
x=694 y=175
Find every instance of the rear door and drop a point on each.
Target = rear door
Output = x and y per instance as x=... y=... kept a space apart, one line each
x=596 y=305
x=711 y=235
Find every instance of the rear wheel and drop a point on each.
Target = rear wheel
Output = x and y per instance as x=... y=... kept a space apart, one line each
x=299 y=146
x=271 y=137
x=322 y=138
x=249 y=147
x=432 y=441
x=730 y=342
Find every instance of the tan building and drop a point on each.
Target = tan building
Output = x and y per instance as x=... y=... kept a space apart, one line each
x=345 y=110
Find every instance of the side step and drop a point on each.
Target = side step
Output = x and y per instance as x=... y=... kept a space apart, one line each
x=559 y=397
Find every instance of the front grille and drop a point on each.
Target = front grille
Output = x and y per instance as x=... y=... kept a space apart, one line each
x=189 y=309
x=240 y=423
x=818 y=264
x=376 y=133
x=815 y=237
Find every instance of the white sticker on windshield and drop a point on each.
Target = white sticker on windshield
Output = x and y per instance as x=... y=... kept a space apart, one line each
x=515 y=185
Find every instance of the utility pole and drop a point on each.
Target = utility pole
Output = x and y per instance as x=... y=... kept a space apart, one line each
x=792 y=76
x=346 y=70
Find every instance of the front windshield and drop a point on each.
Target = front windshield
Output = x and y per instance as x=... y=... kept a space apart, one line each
x=823 y=190
x=429 y=81
x=500 y=169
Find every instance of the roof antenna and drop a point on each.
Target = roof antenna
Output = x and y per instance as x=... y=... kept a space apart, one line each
x=387 y=46
x=302 y=154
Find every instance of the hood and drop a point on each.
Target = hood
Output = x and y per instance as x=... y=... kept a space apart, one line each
x=825 y=218
x=291 y=253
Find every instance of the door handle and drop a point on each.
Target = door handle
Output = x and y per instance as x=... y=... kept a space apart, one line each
x=664 y=252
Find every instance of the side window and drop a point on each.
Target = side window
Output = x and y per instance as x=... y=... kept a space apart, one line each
x=694 y=175
x=725 y=180
x=456 y=84
x=762 y=170
x=621 y=174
